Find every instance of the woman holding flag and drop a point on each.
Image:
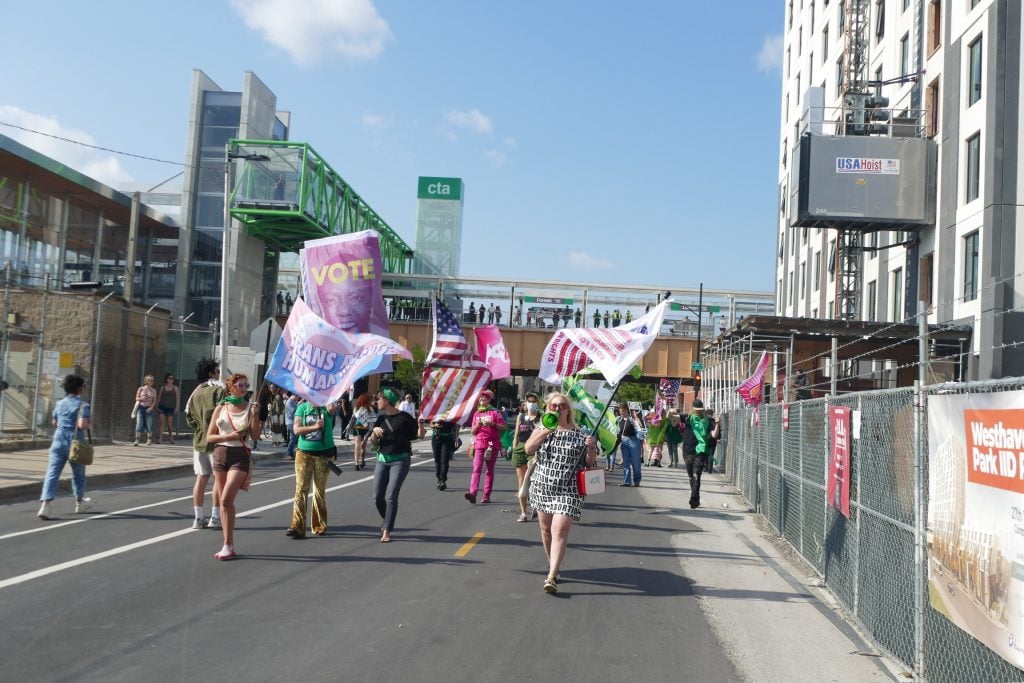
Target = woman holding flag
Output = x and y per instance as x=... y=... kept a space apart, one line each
x=488 y=424
x=554 y=494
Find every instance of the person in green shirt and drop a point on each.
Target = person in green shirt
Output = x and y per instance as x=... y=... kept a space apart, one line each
x=391 y=437
x=314 y=426
x=696 y=434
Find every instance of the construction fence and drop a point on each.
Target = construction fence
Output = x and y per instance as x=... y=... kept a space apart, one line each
x=875 y=562
x=47 y=334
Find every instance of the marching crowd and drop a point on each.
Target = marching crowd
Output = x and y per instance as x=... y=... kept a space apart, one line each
x=224 y=416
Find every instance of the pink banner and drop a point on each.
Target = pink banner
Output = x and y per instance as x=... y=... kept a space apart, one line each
x=341 y=281
x=490 y=348
x=837 y=482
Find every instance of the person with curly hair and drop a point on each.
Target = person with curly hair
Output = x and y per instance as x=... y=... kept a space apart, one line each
x=362 y=419
x=71 y=415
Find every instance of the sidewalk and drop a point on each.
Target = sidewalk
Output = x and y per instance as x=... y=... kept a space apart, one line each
x=22 y=472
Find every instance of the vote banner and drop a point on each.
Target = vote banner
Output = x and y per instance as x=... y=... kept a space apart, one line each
x=837 y=482
x=319 y=362
x=975 y=527
x=341 y=281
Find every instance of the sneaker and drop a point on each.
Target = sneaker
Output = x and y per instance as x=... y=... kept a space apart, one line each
x=625 y=483
x=471 y=497
x=523 y=518
x=83 y=505
x=295 y=533
x=44 y=510
x=199 y=523
x=550 y=586
x=442 y=486
x=214 y=523
x=485 y=500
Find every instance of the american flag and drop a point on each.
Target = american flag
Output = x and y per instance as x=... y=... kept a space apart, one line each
x=451 y=393
x=669 y=389
x=450 y=349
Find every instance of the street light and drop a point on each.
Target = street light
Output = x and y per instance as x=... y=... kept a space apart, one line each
x=226 y=243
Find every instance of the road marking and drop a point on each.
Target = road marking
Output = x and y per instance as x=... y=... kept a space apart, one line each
x=56 y=568
x=461 y=552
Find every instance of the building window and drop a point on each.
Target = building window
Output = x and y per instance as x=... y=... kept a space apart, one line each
x=974 y=3
x=905 y=54
x=973 y=180
x=824 y=43
x=925 y=278
x=872 y=302
x=839 y=76
x=799 y=41
x=934 y=25
x=879 y=19
x=897 y=294
x=817 y=271
x=971 y=266
x=878 y=82
x=931 y=105
x=831 y=261
x=842 y=17
x=792 y=289
x=790 y=23
x=974 y=72
x=797 y=90
x=811 y=22
x=810 y=68
x=778 y=306
x=803 y=280
x=788 y=50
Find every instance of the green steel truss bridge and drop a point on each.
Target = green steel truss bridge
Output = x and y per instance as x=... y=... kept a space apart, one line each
x=285 y=193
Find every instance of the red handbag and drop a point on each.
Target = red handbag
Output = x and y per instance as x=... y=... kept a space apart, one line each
x=590 y=482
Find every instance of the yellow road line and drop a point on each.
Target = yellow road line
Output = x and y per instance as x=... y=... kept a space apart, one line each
x=468 y=545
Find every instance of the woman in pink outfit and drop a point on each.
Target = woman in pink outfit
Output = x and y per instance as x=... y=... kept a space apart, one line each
x=488 y=424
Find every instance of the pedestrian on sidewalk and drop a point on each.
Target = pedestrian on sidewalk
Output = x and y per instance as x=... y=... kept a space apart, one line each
x=487 y=425
x=167 y=401
x=315 y=427
x=145 y=397
x=391 y=437
x=554 y=494
x=70 y=416
x=233 y=421
x=198 y=413
x=344 y=415
x=696 y=432
x=630 y=446
x=714 y=434
x=291 y=404
x=673 y=437
x=362 y=418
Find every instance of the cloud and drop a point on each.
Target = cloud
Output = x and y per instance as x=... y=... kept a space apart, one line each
x=313 y=29
x=96 y=164
x=770 y=57
x=510 y=142
x=473 y=120
x=582 y=259
x=375 y=120
x=496 y=156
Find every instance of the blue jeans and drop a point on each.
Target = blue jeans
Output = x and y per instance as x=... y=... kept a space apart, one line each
x=293 y=442
x=59 y=450
x=387 y=484
x=144 y=421
x=631 y=459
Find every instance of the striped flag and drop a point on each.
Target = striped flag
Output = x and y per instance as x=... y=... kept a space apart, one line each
x=612 y=351
x=450 y=349
x=752 y=388
x=451 y=393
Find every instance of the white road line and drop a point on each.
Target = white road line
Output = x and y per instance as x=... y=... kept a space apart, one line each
x=54 y=569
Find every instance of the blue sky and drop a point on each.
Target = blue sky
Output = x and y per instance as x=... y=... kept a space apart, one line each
x=599 y=141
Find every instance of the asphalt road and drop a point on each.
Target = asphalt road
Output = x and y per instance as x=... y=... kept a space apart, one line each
x=129 y=593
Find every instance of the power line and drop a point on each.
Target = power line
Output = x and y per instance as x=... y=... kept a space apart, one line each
x=97 y=147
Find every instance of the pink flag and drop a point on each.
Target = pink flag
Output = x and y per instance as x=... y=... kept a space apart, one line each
x=752 y=388
x=451 y=393
x=490 y=348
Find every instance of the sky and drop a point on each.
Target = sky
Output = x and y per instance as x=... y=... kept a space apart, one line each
x=599 y=141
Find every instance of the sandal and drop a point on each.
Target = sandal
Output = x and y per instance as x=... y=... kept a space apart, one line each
x=225 y=554
x=550 y=586
x=523 y=518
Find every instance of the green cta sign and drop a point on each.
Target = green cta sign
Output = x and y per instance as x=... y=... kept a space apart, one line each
x=440 y=188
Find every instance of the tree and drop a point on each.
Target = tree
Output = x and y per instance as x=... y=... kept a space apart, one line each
x=409 y=373
x=635 y=391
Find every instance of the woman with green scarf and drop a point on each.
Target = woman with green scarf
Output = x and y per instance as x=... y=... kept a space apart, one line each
x=391 y=437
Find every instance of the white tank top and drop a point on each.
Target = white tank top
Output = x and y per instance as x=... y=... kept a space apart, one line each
x=229 y=422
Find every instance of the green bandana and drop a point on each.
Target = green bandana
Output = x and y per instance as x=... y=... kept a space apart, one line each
x=233 y=400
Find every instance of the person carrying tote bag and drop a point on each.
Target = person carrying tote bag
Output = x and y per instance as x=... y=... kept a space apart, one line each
x=70 y=416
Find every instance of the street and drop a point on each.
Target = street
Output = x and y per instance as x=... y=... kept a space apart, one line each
x=130 y=593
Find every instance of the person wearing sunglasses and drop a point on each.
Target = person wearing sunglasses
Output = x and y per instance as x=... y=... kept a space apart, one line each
x=487 y=425
x=554 y=494
x=234 y=420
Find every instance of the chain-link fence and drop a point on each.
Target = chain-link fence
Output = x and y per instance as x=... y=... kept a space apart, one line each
x=47 y=334
x=875 y=561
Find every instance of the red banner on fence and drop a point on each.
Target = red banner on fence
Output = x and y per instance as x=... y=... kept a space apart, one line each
x=837 y=482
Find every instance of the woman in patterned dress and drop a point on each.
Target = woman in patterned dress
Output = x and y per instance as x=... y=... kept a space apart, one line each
x=554 y=495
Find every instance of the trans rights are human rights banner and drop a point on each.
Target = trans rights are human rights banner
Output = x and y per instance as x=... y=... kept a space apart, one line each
x=319 y=362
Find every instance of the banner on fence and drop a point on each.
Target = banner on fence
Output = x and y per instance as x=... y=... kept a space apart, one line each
x=976 y=516
x=837 y=484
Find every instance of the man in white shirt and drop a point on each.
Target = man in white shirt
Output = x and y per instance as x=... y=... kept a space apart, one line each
x=408 y=406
